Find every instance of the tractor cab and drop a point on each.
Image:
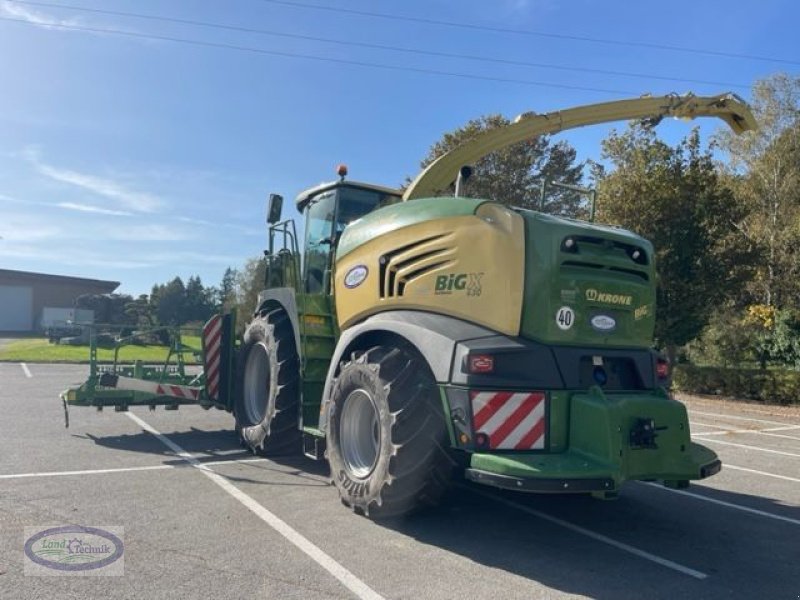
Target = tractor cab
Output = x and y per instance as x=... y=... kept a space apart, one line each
x=328 y=208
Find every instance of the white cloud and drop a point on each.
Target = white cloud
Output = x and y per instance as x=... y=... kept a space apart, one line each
x=15 y=11
x=93 y=209
x=234 y=226
x=146 y=233
x=71 y=258
x=26 y=228
x=127 y=198
x=192 y=258
x=30 y=233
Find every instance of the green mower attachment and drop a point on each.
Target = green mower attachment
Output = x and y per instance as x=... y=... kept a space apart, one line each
x=170 y=384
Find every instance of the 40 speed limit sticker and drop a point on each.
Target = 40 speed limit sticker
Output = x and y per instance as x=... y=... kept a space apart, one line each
x=565 y=317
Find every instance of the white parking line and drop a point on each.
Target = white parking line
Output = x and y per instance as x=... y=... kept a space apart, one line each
x=746 y=431
x=728 y=429
x=735 y=468
x=591 y=534
x=87 y=472
x=697 y=412
x=345 y=577
x=26 y=370
x=747 y=509
x=696 y=424
x=711 y=440
x=182 y=465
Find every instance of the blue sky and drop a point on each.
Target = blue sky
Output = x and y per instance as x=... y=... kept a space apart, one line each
x=139 y=159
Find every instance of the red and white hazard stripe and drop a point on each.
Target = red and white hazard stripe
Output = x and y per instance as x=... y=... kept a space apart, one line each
x=184 y=392
x=178 y=391
x=512 y=421
x=212 y=347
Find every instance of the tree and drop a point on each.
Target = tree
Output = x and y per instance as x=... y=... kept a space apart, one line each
x=513 y=175
x=141 y=312
x=250 y=282
x=108 y=308
x=199 y=301
x=226 y=293
x=764 y=172
x=169 y=302
x=674 y=198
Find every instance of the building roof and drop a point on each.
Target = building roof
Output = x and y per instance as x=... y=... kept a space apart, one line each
x=103 y=286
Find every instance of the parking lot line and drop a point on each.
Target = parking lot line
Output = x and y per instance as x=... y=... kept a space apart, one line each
x=26 y=370
x=735 y=468
x=86 y=472
x=696 y=424
x=758 y=431
x=182 y=465
x=747 y=509
x=345 y=577
x=591 y=534
x=712 y=440
x=697 y=412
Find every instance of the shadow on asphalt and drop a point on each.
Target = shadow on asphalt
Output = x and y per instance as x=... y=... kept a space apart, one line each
x=756 y=553
x=759 y=553
x=219 y=445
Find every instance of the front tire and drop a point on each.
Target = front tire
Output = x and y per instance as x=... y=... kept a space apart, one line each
x=266 y=406
x=387 y=437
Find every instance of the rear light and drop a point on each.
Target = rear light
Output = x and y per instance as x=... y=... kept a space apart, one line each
x=480 y=363
x=662 y=368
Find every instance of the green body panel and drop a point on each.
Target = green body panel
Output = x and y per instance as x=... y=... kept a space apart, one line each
x=397 y=216
x=558 y=421
x=599 y=445
x=600 y=270
x=318 y=335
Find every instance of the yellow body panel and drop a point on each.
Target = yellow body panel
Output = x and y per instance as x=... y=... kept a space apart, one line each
x=469 y=267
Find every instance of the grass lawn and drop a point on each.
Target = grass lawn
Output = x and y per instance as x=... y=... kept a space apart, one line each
x=40 y=350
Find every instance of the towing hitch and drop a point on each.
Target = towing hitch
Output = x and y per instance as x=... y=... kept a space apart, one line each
x=643 y=434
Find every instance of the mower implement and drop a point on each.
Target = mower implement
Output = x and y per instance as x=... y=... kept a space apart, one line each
x=406 y=337
x=170 y=384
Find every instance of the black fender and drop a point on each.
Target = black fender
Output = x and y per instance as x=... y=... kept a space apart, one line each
x=433 y=336
x=287 y=300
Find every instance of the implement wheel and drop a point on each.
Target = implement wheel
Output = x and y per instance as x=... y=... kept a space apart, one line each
x=387 y=437
x=266 y=405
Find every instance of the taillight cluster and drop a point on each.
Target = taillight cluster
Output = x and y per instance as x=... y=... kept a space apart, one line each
x=480 y=364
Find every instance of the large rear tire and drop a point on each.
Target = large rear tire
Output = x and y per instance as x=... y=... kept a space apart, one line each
x=387 y=437
x=266 y=406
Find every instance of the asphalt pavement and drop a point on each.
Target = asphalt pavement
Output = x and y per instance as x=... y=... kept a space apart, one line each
x=203 y=519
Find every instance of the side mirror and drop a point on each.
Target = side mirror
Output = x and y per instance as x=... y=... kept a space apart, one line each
x=274 y=209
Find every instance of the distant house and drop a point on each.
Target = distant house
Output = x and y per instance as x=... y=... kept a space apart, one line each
x=24 y=296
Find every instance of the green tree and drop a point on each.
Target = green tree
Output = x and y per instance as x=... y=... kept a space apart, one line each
x=141 y=312
x=169 y=301
x=674 y=198
x=764 y=171
x=199 y=301
x=513 y=175
x=226 y=292
x=108 y=308
x=250 y=282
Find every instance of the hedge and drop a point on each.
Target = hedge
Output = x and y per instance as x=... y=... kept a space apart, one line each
x=768 y=386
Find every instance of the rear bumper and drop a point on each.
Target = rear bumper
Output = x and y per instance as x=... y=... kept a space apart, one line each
x=602 y=446
x=540 y=485
x=574 y=472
